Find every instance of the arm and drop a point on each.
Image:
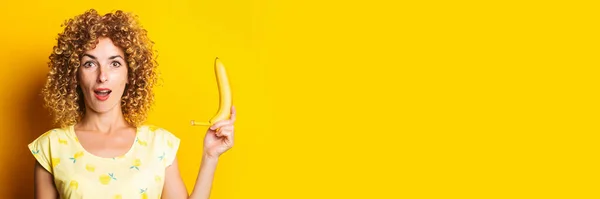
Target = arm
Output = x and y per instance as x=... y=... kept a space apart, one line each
x=43 y=183
x=175 y=188
x=205 y=178
x=218 y=139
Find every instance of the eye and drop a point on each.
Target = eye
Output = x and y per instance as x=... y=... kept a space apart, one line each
x=115 y=64
x=88 y=64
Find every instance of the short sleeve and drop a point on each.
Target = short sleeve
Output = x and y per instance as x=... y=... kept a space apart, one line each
x=40 y=149
x=171 y=145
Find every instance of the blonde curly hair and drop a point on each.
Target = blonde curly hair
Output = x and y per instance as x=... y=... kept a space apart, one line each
x=61 y=93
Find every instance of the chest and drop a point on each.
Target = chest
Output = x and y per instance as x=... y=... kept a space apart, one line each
x=107 y=145
x=138 y=173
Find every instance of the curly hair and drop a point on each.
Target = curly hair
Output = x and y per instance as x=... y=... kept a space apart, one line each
x=61 y=93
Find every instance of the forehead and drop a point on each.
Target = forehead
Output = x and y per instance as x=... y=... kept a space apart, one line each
x=105 y=48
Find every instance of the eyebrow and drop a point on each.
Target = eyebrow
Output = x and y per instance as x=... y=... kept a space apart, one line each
x=91 y=56
x=111 y=57
x=115 y=56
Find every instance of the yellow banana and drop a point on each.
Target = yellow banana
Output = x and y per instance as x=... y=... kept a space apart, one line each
x=225 y=99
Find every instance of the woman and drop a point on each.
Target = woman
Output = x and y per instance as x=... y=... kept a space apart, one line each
x=99 y=89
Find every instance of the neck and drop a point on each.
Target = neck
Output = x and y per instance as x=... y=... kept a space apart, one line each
x=103 y=122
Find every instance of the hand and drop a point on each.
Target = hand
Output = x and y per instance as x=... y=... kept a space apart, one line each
x=219 y=137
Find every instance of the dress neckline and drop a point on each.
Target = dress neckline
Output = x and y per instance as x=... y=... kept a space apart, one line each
x=71 y=131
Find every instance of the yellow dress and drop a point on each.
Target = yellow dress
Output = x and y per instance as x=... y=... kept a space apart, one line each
x=139 y=173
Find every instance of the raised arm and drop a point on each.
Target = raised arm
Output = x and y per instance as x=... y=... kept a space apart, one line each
x=218 y=139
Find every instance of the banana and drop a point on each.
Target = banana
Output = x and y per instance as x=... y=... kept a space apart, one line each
x=225 y=99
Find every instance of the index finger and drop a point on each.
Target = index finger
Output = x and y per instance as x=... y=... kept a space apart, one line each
x=232 y=113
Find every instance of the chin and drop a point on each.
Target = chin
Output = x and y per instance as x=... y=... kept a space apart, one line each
x=102 y=108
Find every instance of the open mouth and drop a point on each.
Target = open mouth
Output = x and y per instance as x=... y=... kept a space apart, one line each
x=102 y=94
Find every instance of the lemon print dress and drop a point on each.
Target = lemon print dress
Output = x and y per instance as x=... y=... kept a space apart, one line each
x=139 y=173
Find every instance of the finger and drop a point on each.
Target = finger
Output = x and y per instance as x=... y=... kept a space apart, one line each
x=232 y=118
x=220 y=124
x=225 y=134
x=228 y=138
x=224 y=131
x=227 y=129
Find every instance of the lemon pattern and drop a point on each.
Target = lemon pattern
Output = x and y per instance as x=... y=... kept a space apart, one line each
x=118 y=157
x=35 y=153
x=144 y=194
x=169 y=144
x=141 y=142
x=161 y=157
x=61 y=141
x=139 y=173
x=76 y=156
x=105 y=179
x=90 y=168
x=136 y=164
x=55 y=162
x=153 y=128
x=74 y=185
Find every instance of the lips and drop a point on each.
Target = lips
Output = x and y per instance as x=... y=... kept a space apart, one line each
x=102 y=93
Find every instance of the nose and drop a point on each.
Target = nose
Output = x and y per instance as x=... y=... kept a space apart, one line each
x=102 y=76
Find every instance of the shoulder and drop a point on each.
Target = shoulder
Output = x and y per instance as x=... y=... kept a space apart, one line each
x=52 y=134
x=42 y=148
x=165 y=142
x=157 y=133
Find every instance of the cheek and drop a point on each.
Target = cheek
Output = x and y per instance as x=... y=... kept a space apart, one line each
x=121 y=78
x=85 y=81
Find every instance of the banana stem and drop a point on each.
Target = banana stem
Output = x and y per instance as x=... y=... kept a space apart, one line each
x=194 y=123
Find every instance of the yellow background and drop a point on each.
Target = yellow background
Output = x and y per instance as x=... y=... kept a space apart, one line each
x=350 y=99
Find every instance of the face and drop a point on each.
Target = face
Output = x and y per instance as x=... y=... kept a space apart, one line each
x=103 y=76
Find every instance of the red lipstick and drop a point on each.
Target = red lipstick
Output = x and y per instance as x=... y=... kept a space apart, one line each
x=102 y=94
